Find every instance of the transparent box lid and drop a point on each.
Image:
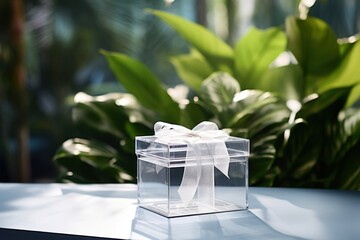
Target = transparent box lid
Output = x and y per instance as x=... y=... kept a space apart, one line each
x=175 y=153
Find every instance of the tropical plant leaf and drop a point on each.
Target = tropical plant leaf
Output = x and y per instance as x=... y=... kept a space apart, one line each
x=346 y=74
x=216 y=52
x=339 y=142
x=255 y=52
x=137 y=129
x=264 y=117
x=313 y=147
x=95 y=154
x=218 y=91
x=287 y=81
x=106 y=115
x=354 y=96
x=334 y=99
x=313 y=43
x=260 y=163
x=192 y=68
x=261 y=113
x=193 y=114
x=300 y=159
x=90 y=161
x=348 y=175
x=268 y=179
x=344 y=151
x=248 y=102
x=299 y=155
x=142 y=83
x=99 y=117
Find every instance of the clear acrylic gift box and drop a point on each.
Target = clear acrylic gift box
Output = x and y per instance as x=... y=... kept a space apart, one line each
x=173 y=182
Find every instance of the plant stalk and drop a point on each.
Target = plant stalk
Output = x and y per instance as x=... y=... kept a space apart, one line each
x=19 y=95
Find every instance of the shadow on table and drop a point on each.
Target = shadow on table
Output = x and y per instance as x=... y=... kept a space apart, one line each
x=13 y=234
x=310 y=213
x=230 y=225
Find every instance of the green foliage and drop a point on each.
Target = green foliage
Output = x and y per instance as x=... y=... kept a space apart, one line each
x=143 y=84
x=289 y=91
x=117 y=118
x=192 y=68
x=217 y=92
x=110 y=123
x=255 y=52
x=346 y=73
x=264 y=117
x=88 y=161
x=218 y=54
x=313 y=43
x=308 y=157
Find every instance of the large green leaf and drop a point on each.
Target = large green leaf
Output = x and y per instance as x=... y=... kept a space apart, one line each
x=348 y=174
x=287 y=81
x=260 y=163
x=301 y=151
x=193 y=114
x=354 y=96
x=313 y=43
x=346 y=74
x=143 y=84
x=217 y=52
x=91 y=115
x=268 y=179
x=334 y=99
x=264 y=117
x=310 y=148
x=192 y=68
x=248 y=102
x=261 y=113
x=218 y=91
x=344 y=151
x=90 y=161
x=255 y=52
x=106 y=116
x=321 y=115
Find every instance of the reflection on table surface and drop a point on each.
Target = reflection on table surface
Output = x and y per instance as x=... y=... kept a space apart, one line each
x=111 y=211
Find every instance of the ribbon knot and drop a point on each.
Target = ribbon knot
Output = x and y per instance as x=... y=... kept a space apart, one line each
x=204 y=134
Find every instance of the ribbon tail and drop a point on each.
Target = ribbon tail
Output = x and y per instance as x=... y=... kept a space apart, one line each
x=191 y=176
x=221 y=157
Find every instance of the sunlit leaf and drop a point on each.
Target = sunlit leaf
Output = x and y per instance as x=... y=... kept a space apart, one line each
x=254 y=53
x=248 y=102
x=313 y=43
x=287 y=81
x=264 y=118
x=90 y=161
x=143 y=84
x=346 y=74
x=217 y=52
x=218 y=91
x=192 y=68
x=334 y=99
x=354 y=96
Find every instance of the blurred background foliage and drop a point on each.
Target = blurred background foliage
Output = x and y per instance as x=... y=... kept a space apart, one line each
x=61 y=57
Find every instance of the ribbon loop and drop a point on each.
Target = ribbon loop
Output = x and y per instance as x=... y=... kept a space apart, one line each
x=204 y=134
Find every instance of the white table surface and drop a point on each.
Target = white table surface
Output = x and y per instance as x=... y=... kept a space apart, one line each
x=110 y=211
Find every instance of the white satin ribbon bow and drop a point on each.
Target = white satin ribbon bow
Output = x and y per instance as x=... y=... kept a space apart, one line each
x=205 y=133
